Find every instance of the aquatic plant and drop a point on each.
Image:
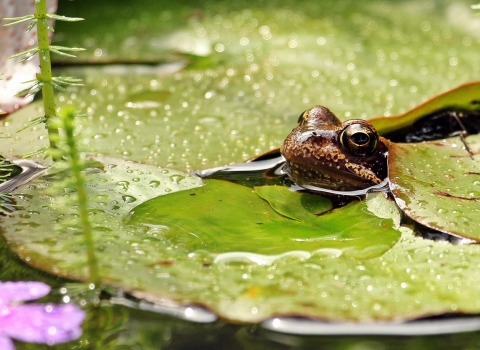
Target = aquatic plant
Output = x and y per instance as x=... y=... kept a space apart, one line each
x=35 y=323
x=62 y=146
x=44 y=81
x=66 y=150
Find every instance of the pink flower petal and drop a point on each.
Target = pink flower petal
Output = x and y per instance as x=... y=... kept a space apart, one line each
x=47 y=323
x=6 y=343
x=18 y=291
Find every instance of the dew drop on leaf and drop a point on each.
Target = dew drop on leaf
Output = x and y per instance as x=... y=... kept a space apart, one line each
x=128 y=199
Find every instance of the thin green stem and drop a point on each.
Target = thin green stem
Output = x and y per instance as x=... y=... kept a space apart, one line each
x=76 y=169
x=45 y=75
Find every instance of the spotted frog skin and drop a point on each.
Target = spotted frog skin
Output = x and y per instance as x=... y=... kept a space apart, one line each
x=324 y=152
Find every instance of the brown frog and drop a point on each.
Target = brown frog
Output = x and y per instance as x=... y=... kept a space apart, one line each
x=324 y=152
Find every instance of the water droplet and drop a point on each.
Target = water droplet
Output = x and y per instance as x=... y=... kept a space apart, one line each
x=177 y=178
x=123 y=184
x=128 y=199
x=154 y=184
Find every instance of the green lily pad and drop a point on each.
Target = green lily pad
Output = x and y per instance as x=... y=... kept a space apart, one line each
x=386 y=58
x=48 y=206
x=415 y=278
x=463 y=97
x=201 y=244
x=293 y=205
x=449 y=202
x=223 y=217
x=273 y=61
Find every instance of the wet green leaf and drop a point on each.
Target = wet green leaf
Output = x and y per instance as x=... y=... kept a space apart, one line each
x=275 y=60
x=185 y=245
x=415 y=278
x=438 y=185
x=386 y=58
x=463 y=97
x=293 y=205
x=222 y=217
x=115 y=187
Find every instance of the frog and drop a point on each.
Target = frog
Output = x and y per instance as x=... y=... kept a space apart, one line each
x=351 y=158
x=324 y=153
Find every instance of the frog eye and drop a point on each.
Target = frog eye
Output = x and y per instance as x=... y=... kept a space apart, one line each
x=301 y=118
x=359 y=139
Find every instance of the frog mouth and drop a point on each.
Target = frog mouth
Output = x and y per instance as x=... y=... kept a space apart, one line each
x=383 y=186
x=324 y=178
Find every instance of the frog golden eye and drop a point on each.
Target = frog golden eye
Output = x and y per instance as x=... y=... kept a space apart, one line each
x=359 y=139
x=301 y=118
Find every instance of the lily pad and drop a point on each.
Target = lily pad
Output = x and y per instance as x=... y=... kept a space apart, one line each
x=201 y=247
x=222 y=217
x=292 y=204
x=449 y=202
x=273 y=61
x=415 y=278
x=115 y=187
x=463 y=97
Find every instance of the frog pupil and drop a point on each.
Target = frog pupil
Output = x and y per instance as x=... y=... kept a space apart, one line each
x=360 y=138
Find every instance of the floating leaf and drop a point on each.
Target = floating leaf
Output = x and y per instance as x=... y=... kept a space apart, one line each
x=230 y=112
x=465 y=96
x=223 y=217
x=438 y=185
x=115 y=187
x=415 y=278
x=140 y=258
x=294 y=205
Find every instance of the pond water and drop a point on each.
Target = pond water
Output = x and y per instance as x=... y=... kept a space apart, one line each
x=190 y=86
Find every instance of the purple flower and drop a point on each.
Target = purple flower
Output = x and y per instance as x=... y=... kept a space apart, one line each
x=35 y=323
